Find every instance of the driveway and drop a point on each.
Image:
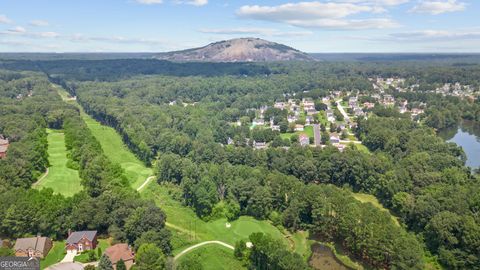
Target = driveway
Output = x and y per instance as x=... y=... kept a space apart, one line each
x=66 y=266
x=69 y=257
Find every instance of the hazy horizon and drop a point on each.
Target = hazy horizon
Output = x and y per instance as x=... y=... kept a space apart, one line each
x=333 y=26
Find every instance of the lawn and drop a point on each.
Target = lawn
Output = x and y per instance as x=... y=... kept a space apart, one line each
x=113 y=146
x=214 y=257
x=188 y=229
x=362 y=148
x=103 y=244
x=117 y=151
x=367 y=198
x=55 y=255
x=60 y=178
x=308 y=130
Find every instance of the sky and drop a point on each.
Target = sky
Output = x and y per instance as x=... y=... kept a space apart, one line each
x=322 y=26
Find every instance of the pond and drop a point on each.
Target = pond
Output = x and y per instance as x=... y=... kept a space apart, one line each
x=466 y=135
x=323 y=258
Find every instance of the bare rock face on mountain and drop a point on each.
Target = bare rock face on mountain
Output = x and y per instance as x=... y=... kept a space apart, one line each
x=238 y=50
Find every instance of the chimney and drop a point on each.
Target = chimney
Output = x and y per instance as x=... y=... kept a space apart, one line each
x=69 y=232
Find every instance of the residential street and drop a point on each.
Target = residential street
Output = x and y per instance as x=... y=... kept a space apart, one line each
x=316 y=135
x=340 y=108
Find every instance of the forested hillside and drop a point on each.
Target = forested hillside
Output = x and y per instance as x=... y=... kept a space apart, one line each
x=29 y=104
x=194 y=127
x=413 y=172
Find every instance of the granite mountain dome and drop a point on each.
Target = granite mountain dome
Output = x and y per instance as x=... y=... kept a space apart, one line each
x=238 y=50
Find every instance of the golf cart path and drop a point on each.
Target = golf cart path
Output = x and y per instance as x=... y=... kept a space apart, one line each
x=147 y=181
x=202 y=244
x=40 y=179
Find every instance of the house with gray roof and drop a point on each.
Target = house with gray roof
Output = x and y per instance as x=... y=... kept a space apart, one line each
x=33 y=247
x=81 y=241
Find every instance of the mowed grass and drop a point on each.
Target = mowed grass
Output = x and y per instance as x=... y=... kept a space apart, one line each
x=308 y=130
x=117 y=151
x=103 y=244
x=214 y=257
x=60 y=178
x=112 y=145
x=367 y=198
x=189 y=229
x=54 y=256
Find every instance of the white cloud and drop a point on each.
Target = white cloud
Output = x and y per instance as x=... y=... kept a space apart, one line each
x=197 y=2
x=189 y=2
x=376 y=2
x=320 y=15
x=48 y=34
x=17 y=30
x=437 y=35
x=149 y=2
x=254 y=31
x=39 y=23
x=301 y=11
x=343 y=24
x=4 y=19
x=438 y=7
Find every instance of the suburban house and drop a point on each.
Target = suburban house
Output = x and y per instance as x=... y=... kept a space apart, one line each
x=259 y=145
x=334 y=138
x=123 y=252
x=299 y=127
x=311 y=111
x=292 y=118
x=308 y=120
x=279 y=105
x=81 y=241
x=258 y=122
x=33 y=247
x=304 y=140
x=4 y=143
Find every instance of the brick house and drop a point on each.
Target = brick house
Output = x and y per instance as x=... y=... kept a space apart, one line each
x=123 y=252
x=33 y=247
x=81 y=241
x=4 y=143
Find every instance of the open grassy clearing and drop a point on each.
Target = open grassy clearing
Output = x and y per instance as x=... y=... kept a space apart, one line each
x=214 y=257
x=308 y=130
x=118 y=152
x=367 y=198
x=55 y=255
x=60 y=178
x=189 y=229
x=112 y=145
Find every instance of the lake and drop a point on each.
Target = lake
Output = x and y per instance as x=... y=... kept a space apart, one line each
x=466 y=135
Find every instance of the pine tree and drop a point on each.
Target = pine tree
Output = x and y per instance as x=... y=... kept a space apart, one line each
x=105 y=263
x=121 y=265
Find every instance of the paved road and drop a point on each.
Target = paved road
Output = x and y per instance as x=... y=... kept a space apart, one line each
x=202 y=244
x=340 y=108
x=316 y=135
x=149 y=179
